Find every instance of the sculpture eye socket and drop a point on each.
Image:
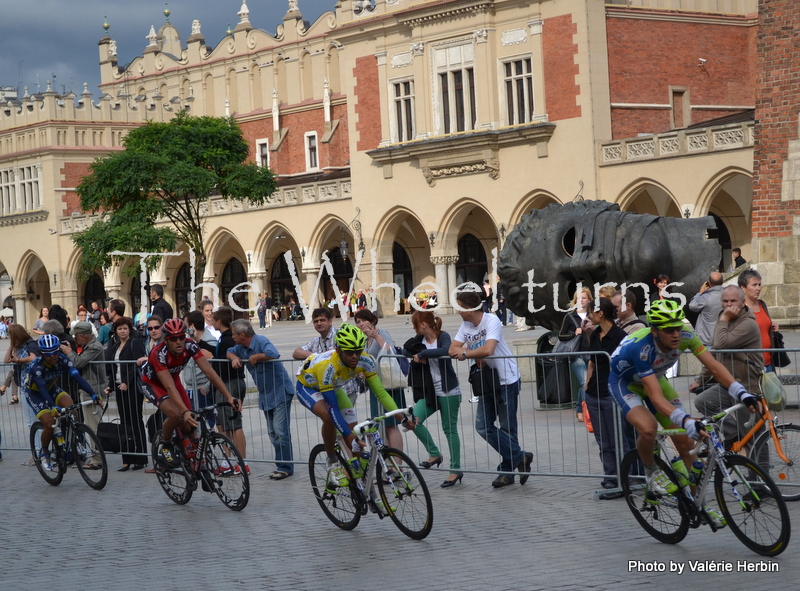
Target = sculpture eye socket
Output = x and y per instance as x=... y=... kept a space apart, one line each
x=568 y=242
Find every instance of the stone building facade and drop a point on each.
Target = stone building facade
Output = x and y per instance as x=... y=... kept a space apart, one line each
x=421 y=132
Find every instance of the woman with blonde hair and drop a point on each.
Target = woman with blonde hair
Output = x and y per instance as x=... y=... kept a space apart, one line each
x=435 y=385
x=577 y=324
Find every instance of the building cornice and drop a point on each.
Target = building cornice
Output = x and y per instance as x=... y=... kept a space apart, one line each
x=678 y=16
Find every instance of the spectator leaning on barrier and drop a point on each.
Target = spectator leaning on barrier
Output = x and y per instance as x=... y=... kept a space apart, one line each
x=627 y=319
x=230 y=421
x=750 y=282
x=736 y=329
x=89 y=350
x=275 y=390
x=322 y=319
x=708 y=305
x=479 y=337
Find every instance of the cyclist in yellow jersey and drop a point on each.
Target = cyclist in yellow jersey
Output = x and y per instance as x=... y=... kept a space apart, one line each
x=319 y=388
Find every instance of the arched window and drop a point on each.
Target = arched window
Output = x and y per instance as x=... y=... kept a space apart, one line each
x=402 y=270
x=232 y=275
x=471 y=265
x=342 y=274
x=280 y=280
x=183 y=283
x=94 y=291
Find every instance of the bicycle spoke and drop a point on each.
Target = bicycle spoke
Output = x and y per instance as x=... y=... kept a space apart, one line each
x=337 y=502
x=404 y=494
x=89 y=456
x=225 y=472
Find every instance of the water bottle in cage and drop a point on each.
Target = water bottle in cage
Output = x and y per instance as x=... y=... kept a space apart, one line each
x=679 y=467
x=58 y=434
x=697 y=471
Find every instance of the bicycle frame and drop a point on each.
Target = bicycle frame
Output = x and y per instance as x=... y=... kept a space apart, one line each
x=769 y=418
x=716 y=450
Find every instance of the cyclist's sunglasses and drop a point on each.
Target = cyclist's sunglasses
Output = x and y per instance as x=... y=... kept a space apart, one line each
x=671 y=329
x=177 y=338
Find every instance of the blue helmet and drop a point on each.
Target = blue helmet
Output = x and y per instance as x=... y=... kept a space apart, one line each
x=49 y=344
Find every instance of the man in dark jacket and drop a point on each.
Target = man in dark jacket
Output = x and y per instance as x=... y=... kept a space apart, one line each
x=160 y=306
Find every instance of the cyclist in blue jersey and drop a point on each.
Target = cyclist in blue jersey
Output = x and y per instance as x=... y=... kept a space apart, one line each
x=43 y=389
x=638 y=385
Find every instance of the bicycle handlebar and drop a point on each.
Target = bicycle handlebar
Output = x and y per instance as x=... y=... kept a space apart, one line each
x=361 y=428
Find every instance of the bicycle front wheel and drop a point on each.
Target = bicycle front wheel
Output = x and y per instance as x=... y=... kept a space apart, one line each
x=226 y=470
x=89 y=456
x=785 y=473
x=404 y=494
x=337 y=502
x=752 y=506
x=178 y=483
x=57 y=459
x=662 y=516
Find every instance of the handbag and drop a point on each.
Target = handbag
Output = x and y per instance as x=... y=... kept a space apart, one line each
x=779 y=358
x=772 y=390
x=485 y=381
x=570 y=345
x=389 y=370
x=113 y=438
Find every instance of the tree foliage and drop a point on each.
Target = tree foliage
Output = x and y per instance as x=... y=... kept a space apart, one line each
x=164 y=173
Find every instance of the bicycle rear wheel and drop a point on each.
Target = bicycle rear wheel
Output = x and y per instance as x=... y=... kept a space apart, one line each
x=55 y=477
x=404 y=494
x=179 y=483
x=337 y=502
x=227 y=472
x=785 y=474
x=662 y=516
x=753 y=506
x=89 y=453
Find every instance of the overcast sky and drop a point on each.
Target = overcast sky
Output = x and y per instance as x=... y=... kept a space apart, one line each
x=42 y=38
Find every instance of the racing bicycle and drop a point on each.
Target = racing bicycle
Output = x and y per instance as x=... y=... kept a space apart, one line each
x=383 y=480
x=751 y=504
x=215 y=464
x=72 y=443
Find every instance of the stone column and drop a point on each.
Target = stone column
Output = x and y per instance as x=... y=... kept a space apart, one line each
x=308 y=281
x=257 y=279
x=451 y=279
x=20 y=299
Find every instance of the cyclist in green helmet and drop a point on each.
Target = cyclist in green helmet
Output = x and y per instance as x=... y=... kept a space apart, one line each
x=646 y=397
x=319 y=388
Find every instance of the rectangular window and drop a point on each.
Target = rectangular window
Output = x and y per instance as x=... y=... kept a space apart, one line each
x=457 y=107
x=404 y=110
x=262 y=153
x=518 y=82
x=312 y=161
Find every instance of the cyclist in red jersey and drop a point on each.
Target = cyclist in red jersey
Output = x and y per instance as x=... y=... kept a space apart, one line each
x=161 y=382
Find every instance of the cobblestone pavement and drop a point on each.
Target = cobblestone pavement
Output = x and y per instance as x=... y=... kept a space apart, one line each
x=549 y=534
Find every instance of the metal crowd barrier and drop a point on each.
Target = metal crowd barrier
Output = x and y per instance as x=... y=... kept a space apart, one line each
x=561 y=445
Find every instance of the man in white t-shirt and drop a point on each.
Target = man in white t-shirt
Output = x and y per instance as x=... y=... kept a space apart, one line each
x=480 y=337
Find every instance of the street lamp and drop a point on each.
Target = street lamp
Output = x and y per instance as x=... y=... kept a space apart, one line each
x=343 y=246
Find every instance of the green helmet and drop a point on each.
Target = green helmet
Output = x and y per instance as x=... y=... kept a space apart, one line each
x=665 y=313
x=350 y=338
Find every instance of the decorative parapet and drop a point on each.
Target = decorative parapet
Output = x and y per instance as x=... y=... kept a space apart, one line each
x=285 y=196
x=464 y=153
x=678 y=143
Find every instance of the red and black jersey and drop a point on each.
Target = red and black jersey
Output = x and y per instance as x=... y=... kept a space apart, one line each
x=161 y=359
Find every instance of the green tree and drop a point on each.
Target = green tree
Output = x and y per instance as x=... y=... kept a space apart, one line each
x=165 y=172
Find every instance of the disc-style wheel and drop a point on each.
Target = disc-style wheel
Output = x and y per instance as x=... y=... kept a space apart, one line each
x=337 y=502
x=56 y=456
x=753 y=506
x=785 y=473
x=89 y=456
x=178 y=483
x=662 y=516
x=225 y=470
x=404 y=494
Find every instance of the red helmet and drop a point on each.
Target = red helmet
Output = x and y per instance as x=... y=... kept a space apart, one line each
x=173 y=327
